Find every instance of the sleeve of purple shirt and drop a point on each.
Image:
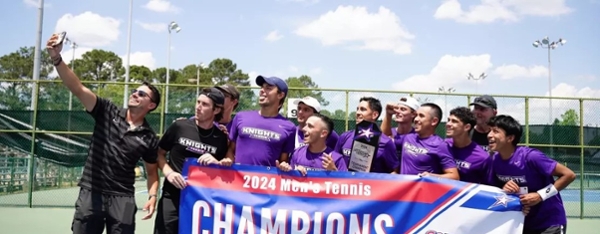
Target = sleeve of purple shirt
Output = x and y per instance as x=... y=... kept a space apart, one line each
x=290 y=140
x=294 y=157
x=390 y=156
x=445 y=157
x=340 y=144
x=233 y=131
x=541 y=163
x=488 y=172
x=340 y=163
x=332 y=140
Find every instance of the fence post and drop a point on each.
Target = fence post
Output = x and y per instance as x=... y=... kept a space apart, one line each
x=581 y=160
x=33 y=147
x=347 y=109
x=527 y=121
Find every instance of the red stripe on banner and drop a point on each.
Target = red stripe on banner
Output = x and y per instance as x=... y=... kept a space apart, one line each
x=336 y=188
x=437 y=208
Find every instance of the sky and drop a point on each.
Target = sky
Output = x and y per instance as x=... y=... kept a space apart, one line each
x=392 y=45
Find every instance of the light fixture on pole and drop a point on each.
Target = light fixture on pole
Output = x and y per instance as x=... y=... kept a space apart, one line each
x=476 y=79
x=446 y=91
x=172 y=27
x=549 y=45
x=126 y=87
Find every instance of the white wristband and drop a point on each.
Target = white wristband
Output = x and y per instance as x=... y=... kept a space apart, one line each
x=547 y=192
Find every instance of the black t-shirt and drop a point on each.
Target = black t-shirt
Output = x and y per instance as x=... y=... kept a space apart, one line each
x=481 y=139
x=184 y=139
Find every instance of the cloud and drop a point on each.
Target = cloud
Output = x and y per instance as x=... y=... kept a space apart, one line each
x=489 y=11
x=273 y=36
x=141 y=59
x=252 y=77
x=449 y=71
x=105 y=30
x=161 y=6
x=35 y=3
x=515 y=71
x=153 y=27
x=357 y=29
x=539 y=108
x=452 y=71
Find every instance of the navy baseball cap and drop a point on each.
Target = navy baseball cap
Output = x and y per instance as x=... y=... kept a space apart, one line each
x=275 y=81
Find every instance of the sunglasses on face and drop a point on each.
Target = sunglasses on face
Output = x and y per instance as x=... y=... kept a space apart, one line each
x=141 y=93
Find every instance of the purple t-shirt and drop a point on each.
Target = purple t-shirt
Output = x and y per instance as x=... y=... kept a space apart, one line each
x=313 y=162
x=385 y=160
x=430 y=154
x=532 y=169
x=261 y=140
x=473 y=162
x=331 y=140
x=398 y=140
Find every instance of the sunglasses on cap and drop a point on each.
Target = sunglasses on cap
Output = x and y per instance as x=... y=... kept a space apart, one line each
x=142 y=93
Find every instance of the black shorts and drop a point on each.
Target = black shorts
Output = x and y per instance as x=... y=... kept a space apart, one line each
x=94 y=211
x=558 y=229
x=167 y=216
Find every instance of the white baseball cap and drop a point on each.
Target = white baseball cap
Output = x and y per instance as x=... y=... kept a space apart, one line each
x=410 y=102
x=309 y=101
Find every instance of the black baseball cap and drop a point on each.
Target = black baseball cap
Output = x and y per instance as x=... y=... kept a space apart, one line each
x=215 y=95
x=229 y=89
x=486 y=101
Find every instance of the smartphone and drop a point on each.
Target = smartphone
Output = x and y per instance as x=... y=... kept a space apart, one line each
x=61 y=38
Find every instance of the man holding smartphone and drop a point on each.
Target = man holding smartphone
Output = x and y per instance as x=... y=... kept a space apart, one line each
x=120 y=138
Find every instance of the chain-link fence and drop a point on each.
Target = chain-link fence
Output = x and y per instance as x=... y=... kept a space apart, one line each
x=53 y=154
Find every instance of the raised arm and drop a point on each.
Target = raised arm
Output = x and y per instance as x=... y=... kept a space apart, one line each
x=85 y=95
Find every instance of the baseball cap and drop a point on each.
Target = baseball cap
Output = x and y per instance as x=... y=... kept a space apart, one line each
x=309 y=101
x=410 y=102
x=275 y=81
x=215 y=95
x=229 y=89
x=485 y=101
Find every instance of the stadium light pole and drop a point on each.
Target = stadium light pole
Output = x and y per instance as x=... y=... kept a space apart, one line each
x=476 y=79
x=200 y=66
x=172 y=27
x=545 y=43
x=37 y=56
x=126 y=87
x=446 y=91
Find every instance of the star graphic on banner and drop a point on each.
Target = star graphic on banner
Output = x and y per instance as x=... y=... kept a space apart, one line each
x=366 y=133
x=502 y=200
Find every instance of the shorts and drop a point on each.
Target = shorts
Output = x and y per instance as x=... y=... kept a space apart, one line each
x=94 y=211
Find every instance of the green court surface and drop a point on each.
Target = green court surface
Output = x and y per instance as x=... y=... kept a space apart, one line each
x=48 y=220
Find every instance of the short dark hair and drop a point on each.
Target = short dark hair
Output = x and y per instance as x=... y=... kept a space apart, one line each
x=510 y=125
x=437 y=111
x=282 y=99
x=155 y=94
x=374 y=104
x=465 y=115
x=328 y=122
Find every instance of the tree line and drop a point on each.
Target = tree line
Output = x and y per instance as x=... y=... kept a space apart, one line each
x=107 y=66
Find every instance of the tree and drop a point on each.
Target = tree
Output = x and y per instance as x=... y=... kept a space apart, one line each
x=19 y=65
x=305 y=81
x=569 y=118
x=222 y=70
x=139 y=73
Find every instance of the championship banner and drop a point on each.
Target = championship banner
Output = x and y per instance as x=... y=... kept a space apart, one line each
x=262 y=200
